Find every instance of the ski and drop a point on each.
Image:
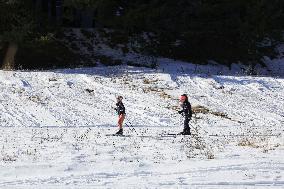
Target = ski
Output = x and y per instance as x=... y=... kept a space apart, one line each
x=243 y=135
x=140 y=136
x=118 y=135
x=175 y=135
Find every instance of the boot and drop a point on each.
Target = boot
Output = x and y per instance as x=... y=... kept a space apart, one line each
x=119 y=132
x=186 y=131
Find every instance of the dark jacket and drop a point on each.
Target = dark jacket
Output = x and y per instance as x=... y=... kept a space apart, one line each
x=186 y=109
x=120 y=109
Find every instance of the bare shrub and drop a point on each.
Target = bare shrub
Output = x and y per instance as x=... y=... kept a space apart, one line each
x=209 y=154
x=9 y=158
x=246 y=142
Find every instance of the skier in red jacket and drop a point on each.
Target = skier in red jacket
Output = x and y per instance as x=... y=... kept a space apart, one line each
x=186 y=112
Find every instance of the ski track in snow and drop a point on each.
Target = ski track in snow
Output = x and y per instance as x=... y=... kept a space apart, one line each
x=53 y=131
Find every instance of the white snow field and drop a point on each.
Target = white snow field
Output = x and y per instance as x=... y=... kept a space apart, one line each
x=54 y=127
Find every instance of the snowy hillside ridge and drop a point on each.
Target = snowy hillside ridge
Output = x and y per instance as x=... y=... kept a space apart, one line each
x=54 y=126
x=63 y=95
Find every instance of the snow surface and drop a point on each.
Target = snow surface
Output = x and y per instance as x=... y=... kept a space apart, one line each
x=53 y=129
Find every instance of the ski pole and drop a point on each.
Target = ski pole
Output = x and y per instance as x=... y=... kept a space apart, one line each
x=131 y=126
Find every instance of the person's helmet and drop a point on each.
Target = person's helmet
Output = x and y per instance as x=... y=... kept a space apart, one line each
x=183 y=97
x=119 y=98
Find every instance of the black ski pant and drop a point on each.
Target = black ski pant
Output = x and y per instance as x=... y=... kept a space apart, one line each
x=186 y=123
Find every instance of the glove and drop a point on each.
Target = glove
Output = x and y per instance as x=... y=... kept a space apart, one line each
x=180 y=112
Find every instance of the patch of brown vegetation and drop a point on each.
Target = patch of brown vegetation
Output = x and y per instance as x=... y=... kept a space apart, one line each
x=152 y=89
x=89 y=90
x=247 y=142
x=165 y=95
x=204 y=110
x=35 y=98
x=52 y=79
x=148 y=81
x=200 y=109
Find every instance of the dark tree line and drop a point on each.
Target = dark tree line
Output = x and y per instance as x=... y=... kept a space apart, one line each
x=220 y=30
x=196 y=30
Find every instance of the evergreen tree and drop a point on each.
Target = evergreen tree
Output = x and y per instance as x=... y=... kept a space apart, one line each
x=195 y=30
x=16 y=22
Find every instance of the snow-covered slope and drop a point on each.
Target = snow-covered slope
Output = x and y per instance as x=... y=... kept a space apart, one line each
x=54 y=126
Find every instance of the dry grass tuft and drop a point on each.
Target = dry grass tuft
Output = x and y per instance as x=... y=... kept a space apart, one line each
x=165 y=95
x=247 y=142
x=200 y=109
x=148 y=81
x=209 y=155
x=204 y=110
